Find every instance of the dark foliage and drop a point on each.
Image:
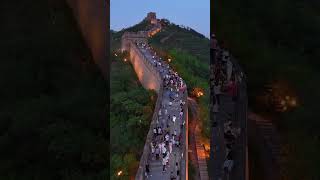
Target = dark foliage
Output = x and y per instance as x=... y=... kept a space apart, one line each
x=279 y=40
x=53 y=97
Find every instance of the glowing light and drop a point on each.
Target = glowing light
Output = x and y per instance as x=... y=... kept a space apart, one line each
x=125 y=59
x=282 y=102
x=119 y=173
x=287 y=97
x=169 y=60
x=198 y=92
x=284 y=108
x=293 y=102
x=115 y=54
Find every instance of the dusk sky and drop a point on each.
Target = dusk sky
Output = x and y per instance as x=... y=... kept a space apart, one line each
x=191 y=13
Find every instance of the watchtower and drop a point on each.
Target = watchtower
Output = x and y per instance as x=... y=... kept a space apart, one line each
x=152 y=17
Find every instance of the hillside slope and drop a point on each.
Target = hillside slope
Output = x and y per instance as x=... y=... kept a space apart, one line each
x=53 y=97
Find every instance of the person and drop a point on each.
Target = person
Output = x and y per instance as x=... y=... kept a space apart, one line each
x=225 y=56
x=227 y=126
x=173 y=140
x=147 y=170
x=230 y=71
x=167 y=158
x=227 y=166
x=170 y=147
x=157 y=153
x=152 y=148
x=179 y=140
x=217 y=92
x=174 y=119
x=159 y=130
x=213 y=47
x=154 y=132
x=177 y=169
x=167 y=137
x=164 y=165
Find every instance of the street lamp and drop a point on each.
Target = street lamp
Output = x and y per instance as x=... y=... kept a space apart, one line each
x=119 y=173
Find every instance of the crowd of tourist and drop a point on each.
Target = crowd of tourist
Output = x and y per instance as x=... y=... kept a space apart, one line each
x=167 y=134
x=224 y=81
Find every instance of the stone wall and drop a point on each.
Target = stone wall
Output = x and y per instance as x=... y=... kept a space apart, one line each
x=145 y=72
x=129 y=37
x=148 y=77
x=91 y=16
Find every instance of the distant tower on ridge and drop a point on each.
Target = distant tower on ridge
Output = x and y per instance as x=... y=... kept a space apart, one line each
x=152 y=18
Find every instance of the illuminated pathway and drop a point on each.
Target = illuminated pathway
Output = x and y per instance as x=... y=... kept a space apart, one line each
x=195 y=142
x=156 y=168
x=170 y=113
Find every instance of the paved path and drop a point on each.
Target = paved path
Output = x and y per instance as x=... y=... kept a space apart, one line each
x=165 y=120
x=270 y=143
x=228 y=110
x=218 y=150
x=192 y=140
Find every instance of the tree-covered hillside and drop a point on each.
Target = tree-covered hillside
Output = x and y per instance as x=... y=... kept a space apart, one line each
x=130 y=116
x=173 y=36
x=130 y=113
x=53 y=96
x=279 y=41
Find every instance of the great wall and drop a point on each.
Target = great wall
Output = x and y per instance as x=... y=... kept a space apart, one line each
x=151 y=76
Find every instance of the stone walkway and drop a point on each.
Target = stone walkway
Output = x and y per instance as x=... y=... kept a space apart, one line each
x=199 y=151
x=270 y=142
x=218 y=150
x=229 y=111
x=201 y=154
x=156 y=167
